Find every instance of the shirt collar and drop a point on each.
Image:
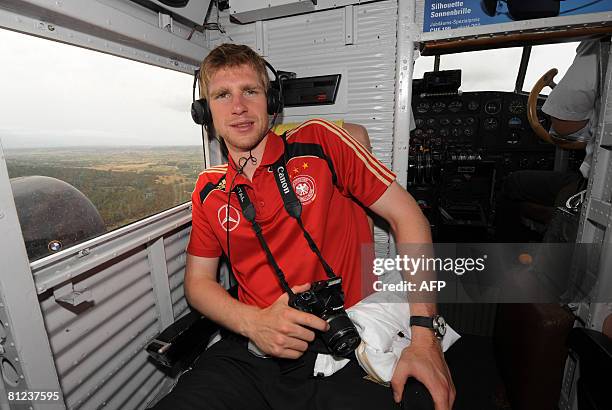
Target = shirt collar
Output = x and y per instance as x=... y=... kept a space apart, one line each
x=272 y=152
x=274 y=149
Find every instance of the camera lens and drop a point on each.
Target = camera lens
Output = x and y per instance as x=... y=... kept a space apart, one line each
x=346 y=344
x=342 y=337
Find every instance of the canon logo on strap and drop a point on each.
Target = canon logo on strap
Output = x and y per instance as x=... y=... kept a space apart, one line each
x=283 y=179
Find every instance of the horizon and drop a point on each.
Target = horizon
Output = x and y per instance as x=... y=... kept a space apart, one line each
x=91 y=147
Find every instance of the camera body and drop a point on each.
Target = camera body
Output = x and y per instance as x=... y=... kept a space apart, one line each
x=325 y=299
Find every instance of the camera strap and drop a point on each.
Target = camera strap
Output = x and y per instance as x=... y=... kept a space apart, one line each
x=248 y=210
x=293 y=206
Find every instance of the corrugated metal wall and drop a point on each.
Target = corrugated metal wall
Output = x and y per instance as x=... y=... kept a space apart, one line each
x=316 y=43
x=98 y=346
x=175 y=246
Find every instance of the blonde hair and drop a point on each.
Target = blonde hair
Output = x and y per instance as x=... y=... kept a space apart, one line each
x=231 y=55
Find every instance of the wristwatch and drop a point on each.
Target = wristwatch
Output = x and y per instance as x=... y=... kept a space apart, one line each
x=436 y=323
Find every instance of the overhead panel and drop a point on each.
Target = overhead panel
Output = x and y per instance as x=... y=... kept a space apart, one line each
x=248 y=11
x=117 y=27
x=188 y=11
x=253 y=10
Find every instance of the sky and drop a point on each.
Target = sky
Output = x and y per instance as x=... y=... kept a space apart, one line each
x=53 y=94
x=57 y=94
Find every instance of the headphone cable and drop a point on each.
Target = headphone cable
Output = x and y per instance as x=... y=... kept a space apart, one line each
x=239 y=170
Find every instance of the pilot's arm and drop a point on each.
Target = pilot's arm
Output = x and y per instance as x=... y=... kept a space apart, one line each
x=571 y=103
x=565 y=128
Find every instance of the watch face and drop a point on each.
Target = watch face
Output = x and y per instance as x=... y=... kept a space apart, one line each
x=439 y=326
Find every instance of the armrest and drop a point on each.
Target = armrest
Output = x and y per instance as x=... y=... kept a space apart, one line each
x=178 y=345
x=594 y=350
x=181 y=343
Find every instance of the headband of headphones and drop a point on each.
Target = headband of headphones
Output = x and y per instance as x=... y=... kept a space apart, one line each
x=200 y=110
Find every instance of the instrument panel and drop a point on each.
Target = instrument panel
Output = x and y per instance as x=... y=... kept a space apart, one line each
x=462 y=147
x=482 y=122
x=474 y=126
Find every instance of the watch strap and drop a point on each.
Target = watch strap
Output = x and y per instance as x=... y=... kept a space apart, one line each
x=422 y=321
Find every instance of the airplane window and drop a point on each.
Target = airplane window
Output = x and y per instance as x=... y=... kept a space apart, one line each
x=92 y=141
x=422 y=65
x=477 y=73
x=545 y=57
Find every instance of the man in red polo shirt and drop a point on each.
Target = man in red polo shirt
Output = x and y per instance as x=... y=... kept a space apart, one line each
x=330 y=172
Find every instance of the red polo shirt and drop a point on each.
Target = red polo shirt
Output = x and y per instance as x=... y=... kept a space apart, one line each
x=319 y=149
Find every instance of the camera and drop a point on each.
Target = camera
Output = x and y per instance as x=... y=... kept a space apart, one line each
x=325 y=299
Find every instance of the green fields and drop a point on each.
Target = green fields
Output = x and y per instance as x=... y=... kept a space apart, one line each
x=125 y=184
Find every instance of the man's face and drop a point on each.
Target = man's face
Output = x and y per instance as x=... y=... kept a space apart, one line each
x=238 y=104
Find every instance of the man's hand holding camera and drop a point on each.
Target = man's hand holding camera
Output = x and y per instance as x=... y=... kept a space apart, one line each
x=282 y=331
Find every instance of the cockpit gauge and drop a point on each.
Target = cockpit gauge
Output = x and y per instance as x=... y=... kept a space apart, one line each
x=490 y=123
x=438 y=106
x=515 y=122
x=516 y=107
x=455 y=106
x=422 y=107
x=492 y=107
x=473 y=105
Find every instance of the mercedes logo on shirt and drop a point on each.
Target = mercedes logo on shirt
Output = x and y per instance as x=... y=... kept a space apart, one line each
x=228 y=219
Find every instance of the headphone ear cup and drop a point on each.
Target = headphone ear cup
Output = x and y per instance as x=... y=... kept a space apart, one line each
x=274 y=101
x=200 y=112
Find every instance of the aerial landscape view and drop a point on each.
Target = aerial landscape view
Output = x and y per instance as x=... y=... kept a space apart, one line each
x=125 y=184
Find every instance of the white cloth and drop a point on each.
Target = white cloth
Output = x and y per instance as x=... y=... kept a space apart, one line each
x=573 y=99
x=379 y=319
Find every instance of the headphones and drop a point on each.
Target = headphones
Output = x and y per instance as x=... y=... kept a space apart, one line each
x=200 y=110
